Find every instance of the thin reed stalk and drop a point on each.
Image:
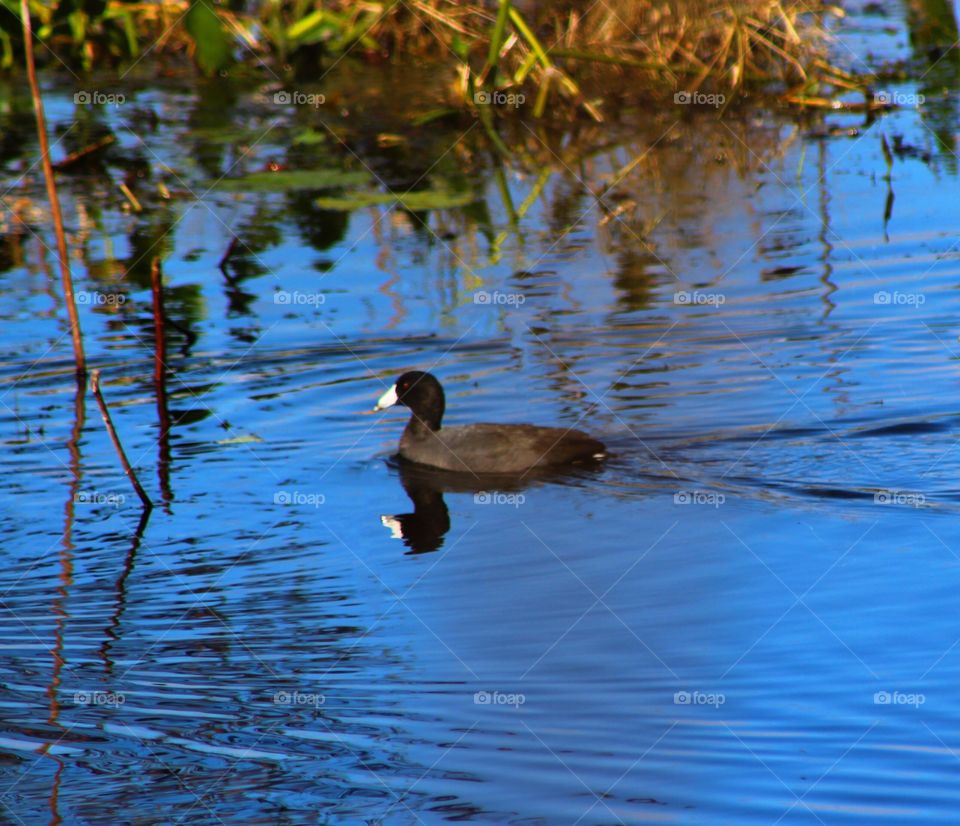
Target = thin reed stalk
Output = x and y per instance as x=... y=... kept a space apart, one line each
x=112 y=431
x=79 y=357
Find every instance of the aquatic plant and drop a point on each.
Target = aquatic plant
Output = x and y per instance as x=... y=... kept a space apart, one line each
x=551 y=58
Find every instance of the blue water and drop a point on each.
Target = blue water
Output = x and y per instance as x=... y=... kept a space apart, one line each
x=744 y=616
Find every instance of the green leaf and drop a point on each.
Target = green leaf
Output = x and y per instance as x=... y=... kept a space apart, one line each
x=309 y=137
x=432 y=115
x=413 y=201
x=213 y=45
x=305 y=25
x=288 y=179
x=460 y=47
x=496 y=38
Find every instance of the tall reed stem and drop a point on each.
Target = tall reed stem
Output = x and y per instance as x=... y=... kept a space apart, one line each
x=79 y=357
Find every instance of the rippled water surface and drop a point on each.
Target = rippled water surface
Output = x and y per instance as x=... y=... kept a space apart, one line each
x=746 y=615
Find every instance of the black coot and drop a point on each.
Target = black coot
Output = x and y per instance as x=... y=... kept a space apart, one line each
x=479 y=448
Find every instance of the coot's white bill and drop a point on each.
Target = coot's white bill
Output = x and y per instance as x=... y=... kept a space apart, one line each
x=388 y=399
x=396 y=528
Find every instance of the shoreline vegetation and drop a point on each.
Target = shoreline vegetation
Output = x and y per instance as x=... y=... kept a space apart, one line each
x=562 y=59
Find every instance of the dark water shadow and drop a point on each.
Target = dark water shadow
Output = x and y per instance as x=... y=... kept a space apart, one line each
x=424 y=529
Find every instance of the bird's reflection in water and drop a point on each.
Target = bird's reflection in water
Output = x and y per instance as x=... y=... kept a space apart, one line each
x=424 y=529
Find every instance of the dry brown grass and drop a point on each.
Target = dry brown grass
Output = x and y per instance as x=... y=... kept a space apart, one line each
x=581 y=51
x=569 y=55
